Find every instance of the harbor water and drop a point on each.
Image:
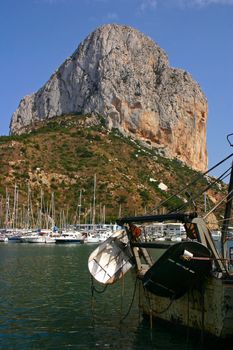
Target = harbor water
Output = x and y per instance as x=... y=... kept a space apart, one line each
x=48 y=301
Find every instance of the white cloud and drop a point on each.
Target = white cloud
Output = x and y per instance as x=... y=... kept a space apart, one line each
x=51 y=2
x=112 y=16
x=199 y=3
x=209 y=2
x=147 y=5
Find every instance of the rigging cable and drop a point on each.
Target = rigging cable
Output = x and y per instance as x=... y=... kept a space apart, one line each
x=192 y=182
x=221 y=220
x=220 y=178
x=217 y=205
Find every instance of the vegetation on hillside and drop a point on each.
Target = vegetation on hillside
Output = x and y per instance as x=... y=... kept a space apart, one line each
x=58 y=160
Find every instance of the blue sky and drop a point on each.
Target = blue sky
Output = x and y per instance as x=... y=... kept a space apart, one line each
x=36 y=36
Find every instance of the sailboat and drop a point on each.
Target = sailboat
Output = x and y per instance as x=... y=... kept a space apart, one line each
x=189 y=285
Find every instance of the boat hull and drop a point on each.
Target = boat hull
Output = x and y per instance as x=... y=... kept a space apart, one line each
x=36 y=239
x=32 y=239
x=14 y=239
x=69 y=241
x=207 y=309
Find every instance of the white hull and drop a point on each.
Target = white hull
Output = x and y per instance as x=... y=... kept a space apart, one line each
x=92 y=240
x=3 y=239
x=49 y=239
x=33 y=239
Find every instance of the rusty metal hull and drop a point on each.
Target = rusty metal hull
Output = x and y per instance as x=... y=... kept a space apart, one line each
x=208 y=309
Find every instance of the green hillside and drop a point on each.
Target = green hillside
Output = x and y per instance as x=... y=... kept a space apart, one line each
x=61 y=158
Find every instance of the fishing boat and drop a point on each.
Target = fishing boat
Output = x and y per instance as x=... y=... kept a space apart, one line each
x=190 y=284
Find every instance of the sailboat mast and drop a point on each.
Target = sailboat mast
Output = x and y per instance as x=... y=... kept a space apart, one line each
x=227 y=216
x=80 y=208
x=94 y=199
x=1 y=211
x=7 y=209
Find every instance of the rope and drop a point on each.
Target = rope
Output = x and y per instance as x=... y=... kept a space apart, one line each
x=94 y=289
x=202 y=314
x=122 y=291
x=166 y=308
x=188 y=316
x=159 y=312
x=131 y=303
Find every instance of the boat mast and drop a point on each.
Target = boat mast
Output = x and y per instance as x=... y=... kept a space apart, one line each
x=7 y=209
x=227 y=214
x=94 y=200
x=1 y=211
x=80 y=208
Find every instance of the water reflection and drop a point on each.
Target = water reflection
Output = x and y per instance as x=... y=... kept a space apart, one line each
x=46 y=303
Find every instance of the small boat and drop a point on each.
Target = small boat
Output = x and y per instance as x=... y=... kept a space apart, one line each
x=3 y=238
x=49 y=235
x=69 y=237
x=14 y=239
x=91 y=237
x=32 y=238
x=104 y=234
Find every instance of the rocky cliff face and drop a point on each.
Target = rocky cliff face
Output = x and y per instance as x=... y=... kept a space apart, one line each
x=121 y=74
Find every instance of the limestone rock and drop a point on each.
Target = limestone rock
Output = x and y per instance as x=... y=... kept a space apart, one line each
x=124 y=76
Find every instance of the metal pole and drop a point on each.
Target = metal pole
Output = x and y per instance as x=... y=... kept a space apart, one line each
x=227 y=216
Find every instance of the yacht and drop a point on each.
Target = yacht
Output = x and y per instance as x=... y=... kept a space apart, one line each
x=69 y=237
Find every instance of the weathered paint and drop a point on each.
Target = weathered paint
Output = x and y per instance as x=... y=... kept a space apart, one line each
x=208 y=308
